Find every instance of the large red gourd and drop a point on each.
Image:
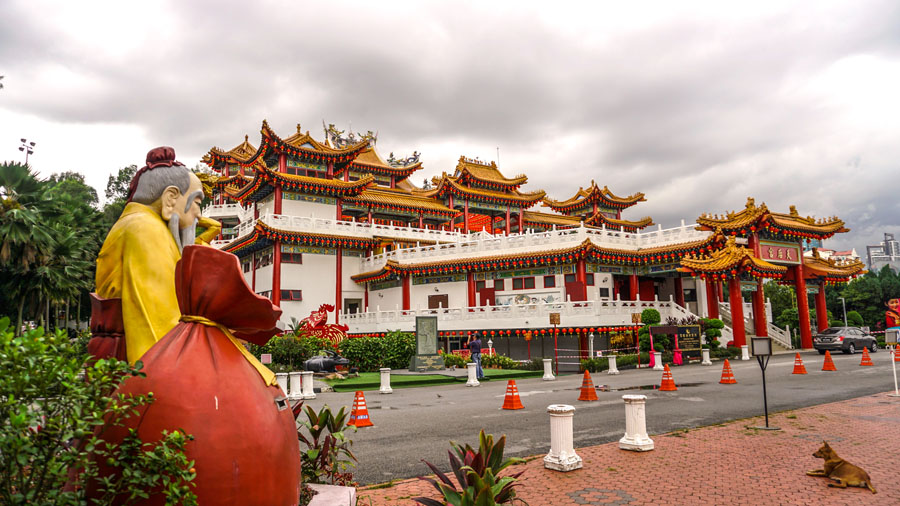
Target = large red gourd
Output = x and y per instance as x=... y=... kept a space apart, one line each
x=245 y=441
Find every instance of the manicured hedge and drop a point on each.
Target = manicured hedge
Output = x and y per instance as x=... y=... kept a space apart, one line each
x=370 y=354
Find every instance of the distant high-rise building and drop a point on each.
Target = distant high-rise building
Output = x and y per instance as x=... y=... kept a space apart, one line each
x=886 y=253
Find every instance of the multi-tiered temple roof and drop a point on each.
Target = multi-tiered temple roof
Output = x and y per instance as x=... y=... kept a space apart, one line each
x=482 y=182
x=755 y=218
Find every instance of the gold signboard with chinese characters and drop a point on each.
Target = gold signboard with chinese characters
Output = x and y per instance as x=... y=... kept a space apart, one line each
x=780 y=252
x=554 y=318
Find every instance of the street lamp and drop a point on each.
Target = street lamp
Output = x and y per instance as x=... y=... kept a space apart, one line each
x=761 y=348
x=844 y=303
x=28 y=148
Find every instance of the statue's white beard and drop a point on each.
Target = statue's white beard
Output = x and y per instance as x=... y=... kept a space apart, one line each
x=183 y=236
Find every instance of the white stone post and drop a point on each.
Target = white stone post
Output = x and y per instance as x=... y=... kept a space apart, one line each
x=282 y=379
x=386 y=380
x=658 y=365
x=745 y=352
x=548 y=372
x=591 y=345
x=705 y=353
x=308 y=392
x=613 y=369
x=296 y=382
x=473 y=381
x=636 y=438
x=562 y=456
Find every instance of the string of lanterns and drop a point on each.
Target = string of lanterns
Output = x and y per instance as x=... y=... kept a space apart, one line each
x=520 y=333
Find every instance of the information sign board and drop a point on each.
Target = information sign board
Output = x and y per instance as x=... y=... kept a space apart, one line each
x=554 y=318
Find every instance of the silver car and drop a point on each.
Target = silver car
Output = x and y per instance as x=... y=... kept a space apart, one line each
x=845 y=339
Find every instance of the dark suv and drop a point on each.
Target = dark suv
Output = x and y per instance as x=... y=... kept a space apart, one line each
x=845 y=339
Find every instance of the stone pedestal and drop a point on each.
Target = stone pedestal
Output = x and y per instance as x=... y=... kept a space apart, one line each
x=296 y=382
x=562 y=456
x=657 y=361
x=636 y=438
x=745 y=352
x=548 y=370
x=613 y=369
x=308 y=392
x=282 y=379
x=473 y=380
x=385 y=380
x=705 y=354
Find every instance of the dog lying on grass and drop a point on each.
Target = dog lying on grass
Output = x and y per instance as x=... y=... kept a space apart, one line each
x=842 y=472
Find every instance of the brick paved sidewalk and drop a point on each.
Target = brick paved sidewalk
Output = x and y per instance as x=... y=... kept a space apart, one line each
x=721 y=464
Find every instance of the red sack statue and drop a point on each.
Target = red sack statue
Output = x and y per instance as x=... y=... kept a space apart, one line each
x=206 y=384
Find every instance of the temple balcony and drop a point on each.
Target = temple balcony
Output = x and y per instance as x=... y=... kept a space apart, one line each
x=596 y=313
x=483 y=244
x=219 y=211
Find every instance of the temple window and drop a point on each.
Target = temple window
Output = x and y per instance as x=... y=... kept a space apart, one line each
x=499 y=285
x=549 y=281
x=570 y=278
x=589 y=279
x=479 y=285
x=292 y=258
x=292 y=295
x=523 y=283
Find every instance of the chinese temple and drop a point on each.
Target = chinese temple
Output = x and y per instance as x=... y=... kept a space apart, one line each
x=316 y=222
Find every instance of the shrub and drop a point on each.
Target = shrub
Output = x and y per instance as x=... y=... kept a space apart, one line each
x=501 y=361
x=49 y=424
x=650 y=317
x=452 y=359
x=476 y=473
x=372 y=353
x=535 y=364
x=326 y=458
x=289 y=352
x=595 y=364
x=855 y=319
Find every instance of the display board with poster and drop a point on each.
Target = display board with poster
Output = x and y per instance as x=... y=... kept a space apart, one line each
x=689 y=340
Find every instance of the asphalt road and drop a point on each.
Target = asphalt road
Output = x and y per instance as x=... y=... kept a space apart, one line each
x=412 y=424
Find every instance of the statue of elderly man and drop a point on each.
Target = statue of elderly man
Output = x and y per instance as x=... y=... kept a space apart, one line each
x=136 y=266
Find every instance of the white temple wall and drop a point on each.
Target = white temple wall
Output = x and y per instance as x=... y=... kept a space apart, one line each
x=455 y=290
x=263 y=279
x=386 y=299
x=308 y=209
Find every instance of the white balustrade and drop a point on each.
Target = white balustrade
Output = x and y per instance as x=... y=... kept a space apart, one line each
x=282 y=379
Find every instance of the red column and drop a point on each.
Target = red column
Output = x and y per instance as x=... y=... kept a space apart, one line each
x=370 y=215
x=720 y=291
x=595 y=209
x=521 y=220
x=471 y=281
x=421 y=221
x=253 y=269
x=760 y=322
x=507 y=220
x=633 y=287
x=329 y=167
x=712 y=299
x=737 y=311
x=406 y=293
x=276 y=274
x=282 y=163
x=340 y=209
x=366 y=299
x=347 y=174
x=580 y=274
x=821 y=310
x=802 y=307
x=466 y=217
x=679 y=292
x=338 y=279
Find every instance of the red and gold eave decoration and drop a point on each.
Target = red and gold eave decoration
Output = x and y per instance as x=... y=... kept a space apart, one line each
x=516 y=332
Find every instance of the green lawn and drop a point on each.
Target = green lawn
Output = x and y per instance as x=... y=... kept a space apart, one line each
x=372 y=380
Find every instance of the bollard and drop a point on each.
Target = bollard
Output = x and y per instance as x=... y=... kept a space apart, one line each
x=473 y=381
x=308 y=392
x=705 y=353
x=296 y=382
x=282 y=379
x=562 y=456
x=658 y=365
x=548 y=373
x=636 y=438
x=386 y=380
x=612 y=365
x=745 y=352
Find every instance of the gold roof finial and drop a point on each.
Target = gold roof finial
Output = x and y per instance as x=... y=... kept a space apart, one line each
x=751 y=203
x=246 y=138
x=298 y=129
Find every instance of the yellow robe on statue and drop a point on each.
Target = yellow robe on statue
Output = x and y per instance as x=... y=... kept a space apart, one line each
x=137 y=264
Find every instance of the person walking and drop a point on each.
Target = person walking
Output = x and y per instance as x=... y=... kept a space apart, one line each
x=474 y=345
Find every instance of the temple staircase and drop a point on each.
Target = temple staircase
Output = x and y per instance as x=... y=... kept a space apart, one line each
x=780 y=338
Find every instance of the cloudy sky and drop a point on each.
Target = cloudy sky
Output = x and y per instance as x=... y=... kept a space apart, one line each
x=697 y=104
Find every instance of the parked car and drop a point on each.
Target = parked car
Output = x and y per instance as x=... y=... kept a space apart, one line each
x=845 y=339
x=325 y=361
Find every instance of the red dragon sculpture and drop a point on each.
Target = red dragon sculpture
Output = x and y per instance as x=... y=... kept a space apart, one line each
x=315 y=325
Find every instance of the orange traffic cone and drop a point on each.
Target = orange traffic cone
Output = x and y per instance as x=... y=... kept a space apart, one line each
x=799 y=368
x=512 y=401
x=829 y=364
x=359 y=414
x=866 y=360
x=668 y=384
x=896 y=353
x=587 y=388
x=727 y=374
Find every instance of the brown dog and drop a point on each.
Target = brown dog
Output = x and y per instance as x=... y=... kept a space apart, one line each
x=841 y=471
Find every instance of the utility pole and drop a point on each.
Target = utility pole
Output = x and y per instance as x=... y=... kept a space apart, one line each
x=28 y=148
